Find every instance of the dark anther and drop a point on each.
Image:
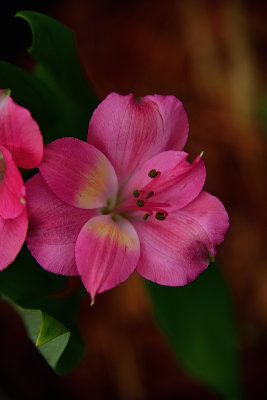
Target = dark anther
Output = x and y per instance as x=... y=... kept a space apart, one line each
x=149 y=194
x=153 y=173
x=140 y=203
x=136 y=193
x=160 y=216
x=145 y=217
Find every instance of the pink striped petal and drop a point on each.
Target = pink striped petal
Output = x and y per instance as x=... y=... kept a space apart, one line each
x=19 y=132
x=175 y=120
x=12 y=190
x=107 y=253
x=130 y=131
x=177 y=185
x=12 y=235
x=53 y=228
x=175 y=251
x=210 y=213
x=79 y=174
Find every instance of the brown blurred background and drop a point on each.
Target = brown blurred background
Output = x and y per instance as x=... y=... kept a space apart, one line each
x=212 y=55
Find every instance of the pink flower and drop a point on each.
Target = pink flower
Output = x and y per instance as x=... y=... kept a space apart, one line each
x=21 y=145
x=126 y=200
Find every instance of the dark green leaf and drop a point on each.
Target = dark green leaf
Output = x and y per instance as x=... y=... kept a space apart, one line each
x=29 y=91
x=49 y=335
x=53 y=48
x=50 y=321
x=197 y=319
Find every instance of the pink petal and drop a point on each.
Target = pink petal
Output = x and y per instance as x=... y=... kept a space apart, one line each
x=178 y=184
x=107 y=252
x=175 y=251
x=12 y=235
x=129 y=132
x=211 y=215
x=53 y=228
x=19 y=132
x=12 y=190
x=79 y=174
x=174 y=118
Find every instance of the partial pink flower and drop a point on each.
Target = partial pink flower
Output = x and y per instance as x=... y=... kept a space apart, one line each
x=126 y=200
x=21 y=145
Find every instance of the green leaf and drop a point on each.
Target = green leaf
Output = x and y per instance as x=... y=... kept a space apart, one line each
x=57 y=94
x=29 y=91
x=50 y=329
x=50 y=320
x=198 y=322
x=48 y=334
x=53 y=48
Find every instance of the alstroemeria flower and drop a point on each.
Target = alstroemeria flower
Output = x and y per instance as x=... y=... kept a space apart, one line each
x=126 y=200
x=21 y=145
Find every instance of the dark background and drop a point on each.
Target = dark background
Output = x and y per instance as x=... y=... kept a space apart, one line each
x=212 y=55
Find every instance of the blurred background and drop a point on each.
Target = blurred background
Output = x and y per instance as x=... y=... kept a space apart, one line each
x=213 y=56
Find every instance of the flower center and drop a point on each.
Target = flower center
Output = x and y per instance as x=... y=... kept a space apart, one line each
x=143 y=200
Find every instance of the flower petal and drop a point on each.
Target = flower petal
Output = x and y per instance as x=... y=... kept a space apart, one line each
x=19 y=132
x=79 y=174
x=107 y=252
x=12 y=235
x=178 y=184
x=53 y=228
x=129 y=132
x=210 y=213
x=174 y=118
x=175 y=251
x=12 y=190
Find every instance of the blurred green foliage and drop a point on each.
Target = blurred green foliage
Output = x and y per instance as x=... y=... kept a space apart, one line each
x=198 y=321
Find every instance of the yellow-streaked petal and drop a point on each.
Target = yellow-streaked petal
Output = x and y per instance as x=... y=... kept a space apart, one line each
x=79 y=174
x=107 y=252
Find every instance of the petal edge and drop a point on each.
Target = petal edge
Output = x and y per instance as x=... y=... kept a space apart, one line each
x=12 y=236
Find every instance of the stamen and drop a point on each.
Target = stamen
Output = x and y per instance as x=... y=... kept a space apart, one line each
x=149 y=194
x=144 y=202
x=136 y=193
x=160 y=216
x=140 y=203
x=153 y=173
